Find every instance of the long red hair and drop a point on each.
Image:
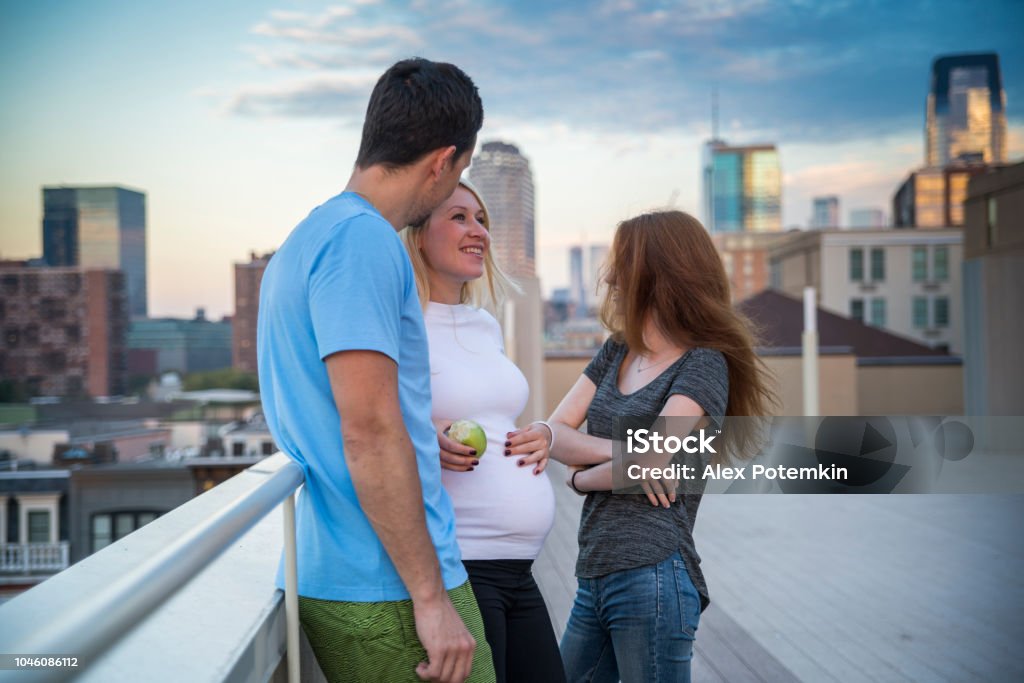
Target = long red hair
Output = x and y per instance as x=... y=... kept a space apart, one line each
x=664 y=266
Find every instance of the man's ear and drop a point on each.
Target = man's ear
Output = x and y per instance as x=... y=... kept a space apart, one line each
x=443 y=158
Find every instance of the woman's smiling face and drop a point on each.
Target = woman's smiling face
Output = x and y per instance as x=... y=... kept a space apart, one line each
x=455 y=242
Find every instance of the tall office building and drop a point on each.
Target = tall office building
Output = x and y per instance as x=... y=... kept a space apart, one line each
x=63 y=330
x=595 y=262
x=826 y=212
x=505 y=181
x=966 y=110
x=577 y=287
x=934 y=197
x=503 y=176
x=248 y=277
x=98 y=227
x=742 y=188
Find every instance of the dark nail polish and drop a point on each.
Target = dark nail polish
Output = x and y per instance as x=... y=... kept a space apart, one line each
x=520 y=463
x=508 y=452
x=507 y=444
x=470 y=469
x=472 y=452
x=475 y=463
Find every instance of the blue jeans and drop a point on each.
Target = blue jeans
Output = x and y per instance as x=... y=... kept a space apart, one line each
x=636 y=625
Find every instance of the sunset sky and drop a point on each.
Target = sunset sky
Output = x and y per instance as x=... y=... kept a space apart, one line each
x=236 y=121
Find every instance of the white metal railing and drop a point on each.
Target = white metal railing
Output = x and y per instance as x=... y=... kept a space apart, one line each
x=98 y=619
x=31 y=558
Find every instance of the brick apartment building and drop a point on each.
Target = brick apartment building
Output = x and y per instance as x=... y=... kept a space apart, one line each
x=247 y=303
x=62 y=330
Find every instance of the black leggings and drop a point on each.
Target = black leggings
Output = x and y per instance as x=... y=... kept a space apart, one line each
x=516 y=621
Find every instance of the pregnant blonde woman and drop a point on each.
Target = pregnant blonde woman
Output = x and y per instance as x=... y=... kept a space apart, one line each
x=504 y=507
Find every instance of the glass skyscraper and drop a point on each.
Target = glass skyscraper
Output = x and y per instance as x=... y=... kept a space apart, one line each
x=98 y=227
x=742 y=188
x=966 y=110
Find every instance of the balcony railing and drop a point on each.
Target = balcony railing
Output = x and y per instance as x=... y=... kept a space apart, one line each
x=33 y=558
x=190 y=596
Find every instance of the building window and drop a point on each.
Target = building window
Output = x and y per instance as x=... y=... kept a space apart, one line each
x=108 y=527
x=920 y=264
x=39 y=526
x=941 y=311
x=101 y=532
x=267 y=447
x=54 y=361
x=878 y=312
x=856 y=265
x=857 y=309
x=941 y=267
x=877 y=265
x=920 y=311
x=52 y=309
x=238 y=448
x=124 y=524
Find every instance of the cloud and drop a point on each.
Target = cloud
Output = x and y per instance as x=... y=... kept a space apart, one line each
x=342 y=97
x=788 y=70
x=834 y=177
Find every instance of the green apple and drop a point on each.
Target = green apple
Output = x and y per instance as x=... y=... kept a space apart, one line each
x=469 y=433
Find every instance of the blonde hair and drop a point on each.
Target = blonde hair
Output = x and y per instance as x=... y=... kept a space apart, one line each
x=489 y=291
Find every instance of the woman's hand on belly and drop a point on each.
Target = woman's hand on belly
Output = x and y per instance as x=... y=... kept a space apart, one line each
x=533 y=442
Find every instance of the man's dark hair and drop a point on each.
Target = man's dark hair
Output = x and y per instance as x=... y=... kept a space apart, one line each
x=416 y=107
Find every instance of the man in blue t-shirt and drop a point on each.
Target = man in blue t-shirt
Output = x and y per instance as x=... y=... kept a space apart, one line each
x=345 y=381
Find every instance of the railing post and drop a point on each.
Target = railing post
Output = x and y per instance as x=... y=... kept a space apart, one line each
x=26 y=562
x=291 y=591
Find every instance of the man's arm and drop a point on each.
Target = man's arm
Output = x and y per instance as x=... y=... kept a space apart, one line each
x=382 y=463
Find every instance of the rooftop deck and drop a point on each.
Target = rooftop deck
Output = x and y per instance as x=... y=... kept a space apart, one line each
x=920 y=588
x=805 y=588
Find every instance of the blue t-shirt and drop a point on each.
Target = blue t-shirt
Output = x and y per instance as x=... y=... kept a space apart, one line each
x=342 y=281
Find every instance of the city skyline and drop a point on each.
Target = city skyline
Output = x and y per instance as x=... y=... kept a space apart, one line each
x=236 y=121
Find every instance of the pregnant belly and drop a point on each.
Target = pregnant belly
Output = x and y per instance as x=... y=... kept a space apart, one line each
x=504 y=513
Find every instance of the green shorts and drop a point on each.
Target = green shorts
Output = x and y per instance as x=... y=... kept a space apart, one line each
x=376 y=641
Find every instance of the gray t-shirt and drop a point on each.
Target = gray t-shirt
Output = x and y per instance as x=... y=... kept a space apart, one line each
x=624 y=531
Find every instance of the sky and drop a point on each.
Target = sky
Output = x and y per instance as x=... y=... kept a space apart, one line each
x=237 y=117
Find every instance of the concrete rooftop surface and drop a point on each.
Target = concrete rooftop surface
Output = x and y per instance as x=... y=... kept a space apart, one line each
x=849 y=588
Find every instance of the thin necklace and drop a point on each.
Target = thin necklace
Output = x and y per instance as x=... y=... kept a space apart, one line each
x=639 y=364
